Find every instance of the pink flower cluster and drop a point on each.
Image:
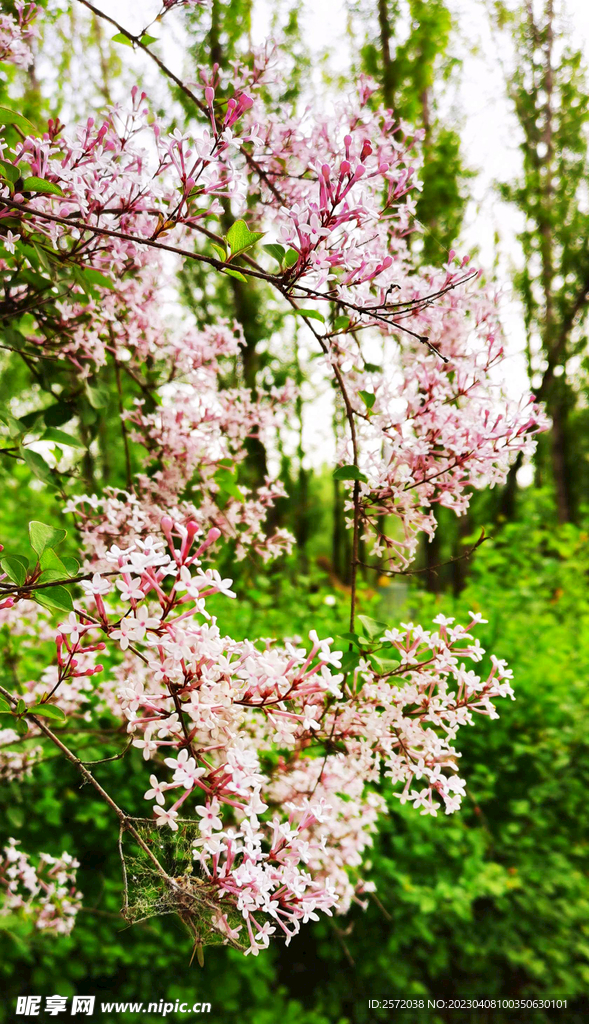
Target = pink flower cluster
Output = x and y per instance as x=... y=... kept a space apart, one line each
x=279 y=834
x=269 y=746
x=43 y=891
x=17 y=35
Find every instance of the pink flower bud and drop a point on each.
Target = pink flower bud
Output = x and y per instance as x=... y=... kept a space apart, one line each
x=360 y=170
x=345 y=167
x=366 y=150
x=209 y=95
x=326 y=171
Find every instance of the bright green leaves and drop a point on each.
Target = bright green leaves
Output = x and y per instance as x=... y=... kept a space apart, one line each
x=308 y=314
x=368 y=398
x=12 y=117
x=368 y=646
x=120 y=37
x=15 y=567
x=349 y=473
x=12 y=716
x=239 y=238
x=48 y=568
x=125 y=40
x=60 y=437
x=372 y=627
x=43 y=537
x=34 y=184
x=226 y=480
x=286 y=258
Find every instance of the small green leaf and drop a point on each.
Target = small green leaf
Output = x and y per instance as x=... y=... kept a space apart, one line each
x=310 y=314
x=21 y=726
x=239 y=237
x=350 y=661
x=13 y=117
x=372 y=368
x=15 y=427
x=14 y=569
x=5 y=708
x=368 y=398
x=72 y=566
x=97 y=396
x=146 y=40
x=60 y=437
x=42 y=536
x=37 y=465
x=349 y=473
x=226 y=482
x=48 y=711
x=95 y=277
x=372 y=627
x=221 y=253
x=40 y=185
x=122 y=38
x=9 y=171
x=278 y=252
x=384 y=665
x=236 y=274
x=20 y=706
x=341 y=322
x=55 y=599
x=291 y=258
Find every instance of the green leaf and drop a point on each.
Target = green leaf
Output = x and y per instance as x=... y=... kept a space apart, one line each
x=278 y=252
x=52 y=575
x=341 y=322
x=349 y=473
x=60 y=437
x=236 y=274
x=384 y=665
x=20 y=706
x=97 y=396
x=9 y=171
x=34 y=184
x=13 y=117
x=21 y=726
x=122 y=38
x=372 y=368
x=350 y=661
x=310 y=314
x=221 y=253
x=5 y=708
x=14 y=569
x=239 y=237
x=372 y=627
x=55 y=599
x=15 y=427
x=95 y=277
x=368 y=398
x=48 y=711
x=71 y=565
x=291 y=258
x=57 y=414
x=37 y=465
x=42 y=536
x=227 y=484
x=146 y=40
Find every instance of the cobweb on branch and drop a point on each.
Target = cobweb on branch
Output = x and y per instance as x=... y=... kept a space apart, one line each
x=179 y=889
